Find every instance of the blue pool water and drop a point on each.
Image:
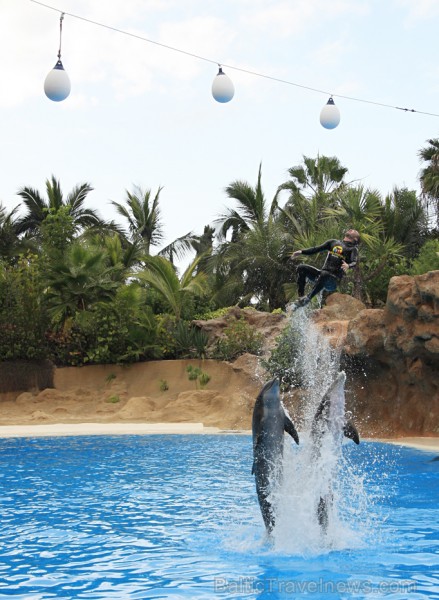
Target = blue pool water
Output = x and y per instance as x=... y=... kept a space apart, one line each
x=177 y=517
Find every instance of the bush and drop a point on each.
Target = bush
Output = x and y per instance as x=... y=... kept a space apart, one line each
x=23 y=317
x=428 y=259
x=190 y=340
x=239 y=338
x=197 y=375
x=284 y=362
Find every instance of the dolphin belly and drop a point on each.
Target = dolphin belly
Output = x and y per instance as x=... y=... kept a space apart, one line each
x=268 y=425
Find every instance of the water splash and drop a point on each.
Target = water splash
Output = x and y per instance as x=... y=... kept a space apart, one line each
x=318 y=470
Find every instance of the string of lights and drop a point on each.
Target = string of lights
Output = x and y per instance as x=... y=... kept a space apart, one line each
x=57 y=84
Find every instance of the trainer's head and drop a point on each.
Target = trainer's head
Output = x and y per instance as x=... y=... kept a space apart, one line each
x=352 y=236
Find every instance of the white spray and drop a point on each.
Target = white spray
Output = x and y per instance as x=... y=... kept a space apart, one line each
x=316 y=470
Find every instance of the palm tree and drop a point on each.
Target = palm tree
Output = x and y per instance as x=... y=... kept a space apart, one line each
x=429 y=175
x=405 y=219
x=321 y=175
x=362 y=209
x=10 y=244
x=259 y=261
x=81 y=278
x=252 y=208
x=161 y=275
x=312 y=190
x=142 y=211
x=39 y=208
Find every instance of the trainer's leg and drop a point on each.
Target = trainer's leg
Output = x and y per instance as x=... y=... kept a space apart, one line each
x=325 y=281
x=304 y=273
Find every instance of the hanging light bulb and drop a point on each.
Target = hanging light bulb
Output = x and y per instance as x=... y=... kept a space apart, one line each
x=223 y=89
x=329 y=115
x=57 y=83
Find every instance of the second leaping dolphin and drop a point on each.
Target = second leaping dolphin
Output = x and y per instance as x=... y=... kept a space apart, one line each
x=268 y=425
x=330 y=419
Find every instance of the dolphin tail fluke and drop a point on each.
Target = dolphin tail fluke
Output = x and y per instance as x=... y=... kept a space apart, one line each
x=289 y=428
x=350 y=431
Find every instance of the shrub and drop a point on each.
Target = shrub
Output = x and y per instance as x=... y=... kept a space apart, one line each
x=190 y=340
x=428 y=258
x=164 y=387
x=23 y=318
x=197 y=375
x=284 y=362
x=239 y=338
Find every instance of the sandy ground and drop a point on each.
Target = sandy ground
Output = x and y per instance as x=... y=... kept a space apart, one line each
x=112 y=400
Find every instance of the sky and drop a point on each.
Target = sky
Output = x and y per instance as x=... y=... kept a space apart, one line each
x=141 y=114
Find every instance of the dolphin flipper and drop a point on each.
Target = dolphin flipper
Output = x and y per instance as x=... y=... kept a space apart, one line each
x=350 y=431
x=289 y=428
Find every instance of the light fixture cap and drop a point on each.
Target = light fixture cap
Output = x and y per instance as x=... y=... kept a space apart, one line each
x=57 y=83
x=330 y=115
x=223 y=89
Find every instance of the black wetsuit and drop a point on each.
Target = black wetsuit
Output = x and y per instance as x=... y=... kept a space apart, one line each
x=331 y=272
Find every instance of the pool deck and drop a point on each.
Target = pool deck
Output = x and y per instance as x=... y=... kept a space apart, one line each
x=430 y=444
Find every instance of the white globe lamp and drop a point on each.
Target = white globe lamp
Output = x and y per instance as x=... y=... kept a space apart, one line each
x=329 y=115
x=57 y=83
x=223 y=89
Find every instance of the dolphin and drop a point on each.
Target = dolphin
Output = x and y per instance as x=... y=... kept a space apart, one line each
x=330 y=419
x=268 y=425
x=330 y=415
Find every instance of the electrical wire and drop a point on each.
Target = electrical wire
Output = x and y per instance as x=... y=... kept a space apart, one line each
x=232 y=67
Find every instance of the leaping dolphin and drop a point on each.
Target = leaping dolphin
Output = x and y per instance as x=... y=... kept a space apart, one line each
x=330 y=419
x=330 y=415
x=268 y=425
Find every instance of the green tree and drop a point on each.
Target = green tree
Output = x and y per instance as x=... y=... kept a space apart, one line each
x=80 y=278
x=428 y=258
x=260 y=260
x=10 y=244
x=142 y=211
x=23 y=316
x=429 y=175
x=39 y=208
x=312 y=189
x=362 y=209
x=405 y=220
x=252 y=263
x=251 y=209
x=160 y=274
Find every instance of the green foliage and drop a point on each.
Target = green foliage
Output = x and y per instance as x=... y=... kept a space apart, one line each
x=23 y=317
x=204 y=379
x=284 y=362
x=165 y=336
x=376 y=287
x=57 y=231
x=113 y=399
x=164 y=387
x=197 y=375
x=239 y=338
x=213 y=314
x=190 y=340
x=122 y=331
x=428 y=258
x=74 y=301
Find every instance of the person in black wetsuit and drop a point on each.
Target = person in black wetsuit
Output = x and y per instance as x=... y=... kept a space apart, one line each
x=342 y=256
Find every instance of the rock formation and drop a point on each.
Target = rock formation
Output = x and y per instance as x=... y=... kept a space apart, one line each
x=391 y=355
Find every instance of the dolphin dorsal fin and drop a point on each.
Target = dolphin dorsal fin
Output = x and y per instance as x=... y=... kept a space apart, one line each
x=289 y=428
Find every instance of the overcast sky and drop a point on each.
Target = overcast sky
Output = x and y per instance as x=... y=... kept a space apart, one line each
x=142 y=114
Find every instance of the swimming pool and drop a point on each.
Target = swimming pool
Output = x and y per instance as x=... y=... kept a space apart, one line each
x=177 y=517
